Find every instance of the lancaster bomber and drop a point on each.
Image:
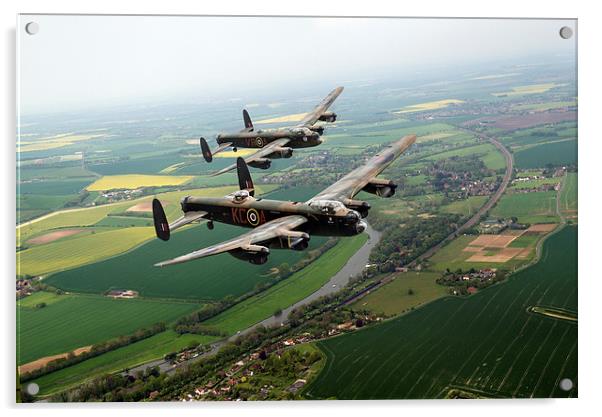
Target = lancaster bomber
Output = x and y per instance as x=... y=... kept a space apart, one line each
x=283 y=224
x=274 y=143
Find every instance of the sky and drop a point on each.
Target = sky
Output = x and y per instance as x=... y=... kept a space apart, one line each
x=86 y=61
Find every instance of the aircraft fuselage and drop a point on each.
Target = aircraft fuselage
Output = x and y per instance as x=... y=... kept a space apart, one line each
x=253 y=212
x=299 y=138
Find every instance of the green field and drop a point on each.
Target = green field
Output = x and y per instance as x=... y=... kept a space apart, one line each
x=357 y=138
x=394 y=298
x=212 y=278
x=545 y=106
x=568 y=195
x=53 y=174
x=555 y=153
x=525 y=240
x=125 y=221
x=465 y=207
x=537 y=207
x=295 y=288
x=151 y=165
x=40 y=297
x=487 y=343
x=54 y=187
x=76 y=321
x=534 y=183
x=154 y=347
x=481 y=150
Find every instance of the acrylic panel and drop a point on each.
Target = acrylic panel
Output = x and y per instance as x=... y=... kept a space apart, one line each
x=219 y=208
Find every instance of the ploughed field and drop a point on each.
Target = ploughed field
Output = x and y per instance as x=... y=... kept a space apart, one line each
x=489 y=343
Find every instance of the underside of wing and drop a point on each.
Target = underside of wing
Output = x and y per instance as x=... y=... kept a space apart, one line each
x=261 y=158
x=253 y=246
x=313 y=116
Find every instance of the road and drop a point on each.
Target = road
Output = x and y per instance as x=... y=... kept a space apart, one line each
x=354 y=266
x=486 y=207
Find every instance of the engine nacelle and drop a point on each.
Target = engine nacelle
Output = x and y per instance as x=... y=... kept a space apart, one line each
x=256 y=257
x=262 y=163
x=299 y=243
x=381 y=188
x=328 y=116
x=318 y=129
x=281 y=153
x=362 y=207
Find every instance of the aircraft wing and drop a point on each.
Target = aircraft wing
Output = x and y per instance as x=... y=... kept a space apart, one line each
x=262 y=153
x=313 y=116
x=250 y=241
x=352 y=183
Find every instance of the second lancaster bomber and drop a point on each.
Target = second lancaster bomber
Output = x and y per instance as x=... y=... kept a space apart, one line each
x=283 y=224
x=274 y=143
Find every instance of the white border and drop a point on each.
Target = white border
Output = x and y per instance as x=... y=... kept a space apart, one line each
x=589 y=217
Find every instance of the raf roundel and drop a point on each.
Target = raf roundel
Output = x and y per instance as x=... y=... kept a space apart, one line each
x=253 y=217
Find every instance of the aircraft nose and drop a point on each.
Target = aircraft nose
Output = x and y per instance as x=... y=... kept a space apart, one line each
x=360 y=226
x=353 y=216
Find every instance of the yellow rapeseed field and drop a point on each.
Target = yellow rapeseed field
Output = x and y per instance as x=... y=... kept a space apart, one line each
x=431 y=105
x=133 y=181
x=528 y=89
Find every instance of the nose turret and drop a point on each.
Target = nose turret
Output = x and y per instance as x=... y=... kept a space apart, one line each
x=352 y=216
x=360 y=226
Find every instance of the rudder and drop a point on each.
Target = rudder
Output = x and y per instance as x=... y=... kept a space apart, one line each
x=205 y=150
x=247 y=120
x=160 y=220
x=244 y=176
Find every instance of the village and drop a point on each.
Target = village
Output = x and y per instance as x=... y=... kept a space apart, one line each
x=277 y=371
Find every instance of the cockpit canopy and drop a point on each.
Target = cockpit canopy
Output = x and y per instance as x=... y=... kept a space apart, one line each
x=302 y=131
x=240 y=195
x=328 y=206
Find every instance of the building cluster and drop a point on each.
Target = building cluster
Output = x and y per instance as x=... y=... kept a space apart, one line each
x=122 y=294
x=538 y=188
x=465 y=183
x=122 y=194
x=495 y=226
x=251 y=365
x=464 y=283
x=474 y=188
x=24 y=287
x=482 y=275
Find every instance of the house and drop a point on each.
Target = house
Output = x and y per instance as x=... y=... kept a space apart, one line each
x=471 y=290
x=346 y=326
x=297 y=385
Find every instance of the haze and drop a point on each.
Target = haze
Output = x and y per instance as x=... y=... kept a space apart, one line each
x=79 y=62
